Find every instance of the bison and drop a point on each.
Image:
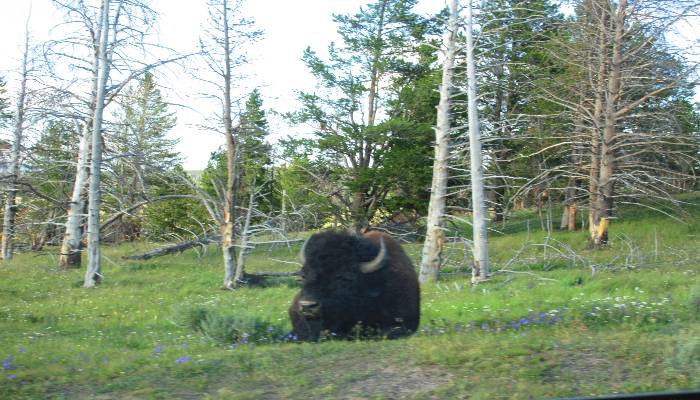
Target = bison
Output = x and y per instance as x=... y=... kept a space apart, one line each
x=355 y=284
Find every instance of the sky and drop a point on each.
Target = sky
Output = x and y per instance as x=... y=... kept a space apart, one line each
x=275 y=65
x=275 y=61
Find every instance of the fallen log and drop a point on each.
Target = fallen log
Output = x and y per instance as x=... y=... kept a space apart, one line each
x=180 y=247
x=175 y=248
x=263 y=274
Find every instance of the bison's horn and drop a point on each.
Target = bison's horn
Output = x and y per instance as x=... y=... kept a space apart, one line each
x=302 y=252
x=371 y=266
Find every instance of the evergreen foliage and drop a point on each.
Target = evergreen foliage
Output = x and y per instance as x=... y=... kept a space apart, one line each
x=5 y=114
x=142 y=155
x=255 y=162
x=355 y=128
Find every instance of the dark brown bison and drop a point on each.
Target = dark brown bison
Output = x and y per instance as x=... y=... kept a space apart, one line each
x=355 y=284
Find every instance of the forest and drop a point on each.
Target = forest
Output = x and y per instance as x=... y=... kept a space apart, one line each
x=538 y=160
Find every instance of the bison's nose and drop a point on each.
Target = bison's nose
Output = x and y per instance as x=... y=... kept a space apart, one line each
x=309 y=308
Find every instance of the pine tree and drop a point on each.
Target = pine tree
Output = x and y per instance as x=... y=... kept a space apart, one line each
x=256 y=153
x=144 y=153
x=352 y=130
x=5 y=113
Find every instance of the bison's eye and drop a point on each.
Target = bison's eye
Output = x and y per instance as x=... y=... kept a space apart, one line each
x=307 y=275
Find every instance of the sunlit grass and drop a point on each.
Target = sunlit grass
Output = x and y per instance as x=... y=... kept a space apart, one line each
x=571 y=321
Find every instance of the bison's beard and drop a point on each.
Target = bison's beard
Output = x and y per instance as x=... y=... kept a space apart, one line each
x=306 y=328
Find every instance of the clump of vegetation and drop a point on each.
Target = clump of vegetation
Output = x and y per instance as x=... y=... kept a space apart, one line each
x=231 y=329
x=685 y=357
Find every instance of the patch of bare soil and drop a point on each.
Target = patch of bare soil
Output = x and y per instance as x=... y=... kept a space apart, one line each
x=585 y=369
x=395 y=382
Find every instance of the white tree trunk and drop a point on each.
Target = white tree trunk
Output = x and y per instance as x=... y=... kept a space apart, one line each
x=283 y=223
x=606 y=184
x=228 y=231
x=8 y=227
x=435 y=237
x=245 y=235
x=92 y=274
x=69 y=256
x=481 y=252
x=70 y=246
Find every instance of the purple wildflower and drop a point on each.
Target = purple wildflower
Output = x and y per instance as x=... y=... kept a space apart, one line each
x=21 y=349
x=515 y=325
x=12 y=376
x=158 y=349
x=524 y=321
x=182 y=359
x=6 y=363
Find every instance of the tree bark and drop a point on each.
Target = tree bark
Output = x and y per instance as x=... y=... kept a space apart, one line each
x=245 y=235
x=481 y=255
x=228 y=229
x=69 y=256
x=435 y=236
x=596 y=133
x=606 y=183
x=92 y=273
x=70 y=253
x=8 y=227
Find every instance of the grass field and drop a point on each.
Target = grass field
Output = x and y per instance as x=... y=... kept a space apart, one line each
x=565 y=321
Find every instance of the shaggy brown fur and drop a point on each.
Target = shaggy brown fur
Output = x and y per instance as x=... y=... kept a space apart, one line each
x=338 y=297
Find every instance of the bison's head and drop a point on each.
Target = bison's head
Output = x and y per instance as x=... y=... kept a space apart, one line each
x=343 y=281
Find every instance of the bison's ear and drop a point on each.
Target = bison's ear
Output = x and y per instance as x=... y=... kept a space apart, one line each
x=377 y=259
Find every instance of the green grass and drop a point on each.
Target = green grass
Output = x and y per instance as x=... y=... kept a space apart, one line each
x=567 y=322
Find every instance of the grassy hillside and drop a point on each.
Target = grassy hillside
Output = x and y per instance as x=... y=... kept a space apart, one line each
x=565 y=321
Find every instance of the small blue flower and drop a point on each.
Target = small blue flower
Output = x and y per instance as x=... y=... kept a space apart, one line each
x=270 y=329
x=515 y=325
x=21 y=349
x=182 y=359
x=524 y=321
x=158 y=349
x=12 y=376
x=6 y=363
